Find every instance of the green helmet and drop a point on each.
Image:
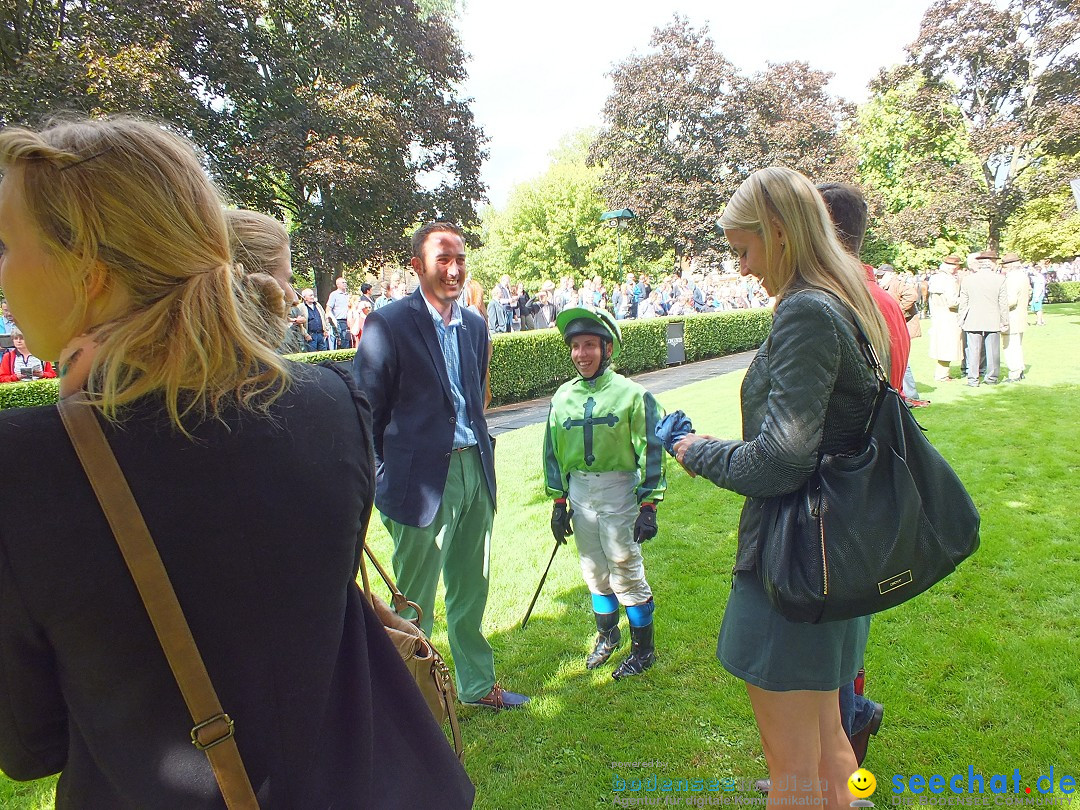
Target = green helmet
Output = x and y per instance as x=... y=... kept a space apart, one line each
x=575 y=321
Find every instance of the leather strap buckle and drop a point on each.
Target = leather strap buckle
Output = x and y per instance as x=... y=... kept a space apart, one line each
x=230 y=729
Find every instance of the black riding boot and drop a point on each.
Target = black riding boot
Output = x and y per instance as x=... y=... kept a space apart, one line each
x=642 y=654
x=607 y=639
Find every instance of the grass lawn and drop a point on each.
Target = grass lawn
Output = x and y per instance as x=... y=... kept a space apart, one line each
x=983 y=670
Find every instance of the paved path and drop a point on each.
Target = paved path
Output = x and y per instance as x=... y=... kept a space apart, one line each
x=523 y=414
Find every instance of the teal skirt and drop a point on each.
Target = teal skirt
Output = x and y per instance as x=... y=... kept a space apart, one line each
x=763 y=648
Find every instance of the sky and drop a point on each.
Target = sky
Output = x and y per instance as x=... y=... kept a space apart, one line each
x=538 y=70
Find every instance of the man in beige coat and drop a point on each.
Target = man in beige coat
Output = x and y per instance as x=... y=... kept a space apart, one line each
x=946 y=338
x=984 y=315
x=1018 y=294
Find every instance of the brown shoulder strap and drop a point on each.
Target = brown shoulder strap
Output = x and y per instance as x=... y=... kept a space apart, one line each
x=213 y=730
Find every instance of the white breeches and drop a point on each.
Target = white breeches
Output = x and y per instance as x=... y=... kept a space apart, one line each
x=605 y=510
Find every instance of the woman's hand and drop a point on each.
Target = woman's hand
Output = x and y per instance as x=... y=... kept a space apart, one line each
x=684 y=444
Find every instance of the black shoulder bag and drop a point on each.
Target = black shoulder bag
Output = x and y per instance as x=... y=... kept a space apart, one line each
x=867 y=531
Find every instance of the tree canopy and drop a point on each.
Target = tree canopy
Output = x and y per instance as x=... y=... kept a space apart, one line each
x=551 y=226
x=919 y=172
x=1013 y=70
x=342 y=116
x=683 y=129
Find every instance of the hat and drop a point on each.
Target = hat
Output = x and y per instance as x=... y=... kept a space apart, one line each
x=590 y=321
x=952 y=258
x=547 y=286
x=988 y=254
x=880 y=271
x=1009 y=258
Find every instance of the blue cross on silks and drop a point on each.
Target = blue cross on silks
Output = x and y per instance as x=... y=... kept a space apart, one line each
x=587 y=424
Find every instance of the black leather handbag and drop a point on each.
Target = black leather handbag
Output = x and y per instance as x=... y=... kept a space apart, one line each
x=871 y=530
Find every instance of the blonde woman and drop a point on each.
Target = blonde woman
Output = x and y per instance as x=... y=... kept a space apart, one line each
x=808 y=391
x=117 y=260
x=355 y=318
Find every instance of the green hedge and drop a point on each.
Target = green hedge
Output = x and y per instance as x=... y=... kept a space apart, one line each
x=1063 y=292
x=335 y=356
x=526 y=365
x=726 y=333
x=26 y=394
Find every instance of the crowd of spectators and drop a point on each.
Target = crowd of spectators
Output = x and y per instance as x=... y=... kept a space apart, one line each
x=512 y=308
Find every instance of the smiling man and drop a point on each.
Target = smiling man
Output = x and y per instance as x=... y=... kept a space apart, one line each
x=423 y=362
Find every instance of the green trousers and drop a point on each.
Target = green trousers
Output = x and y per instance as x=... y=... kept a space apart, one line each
x=457 y=544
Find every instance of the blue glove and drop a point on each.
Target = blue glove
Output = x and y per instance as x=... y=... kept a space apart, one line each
x=672 y=428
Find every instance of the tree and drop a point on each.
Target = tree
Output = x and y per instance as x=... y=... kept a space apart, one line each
x=792 y=121
x=1014 y=72
x=343 y=116
x=683 y=129
x=661 y=149
x=551 y=226
x=1047 y=226
x=919 y=172
x=355 y=123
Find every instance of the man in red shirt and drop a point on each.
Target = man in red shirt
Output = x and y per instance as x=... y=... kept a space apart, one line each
x=847 y=207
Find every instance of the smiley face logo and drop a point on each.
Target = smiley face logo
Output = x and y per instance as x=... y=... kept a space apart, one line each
x=862 y=783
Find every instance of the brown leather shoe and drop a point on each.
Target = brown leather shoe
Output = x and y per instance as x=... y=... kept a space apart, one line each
x=861 y=739
x=499 y=698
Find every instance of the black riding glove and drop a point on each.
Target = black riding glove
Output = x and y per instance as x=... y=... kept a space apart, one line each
x=560 y=520
x=645 y=528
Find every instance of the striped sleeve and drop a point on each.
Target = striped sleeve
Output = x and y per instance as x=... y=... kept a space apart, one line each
x=649 y=449
x=555 y=481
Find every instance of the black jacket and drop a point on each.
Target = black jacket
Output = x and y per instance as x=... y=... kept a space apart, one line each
x=808 y=391
x=256 y=522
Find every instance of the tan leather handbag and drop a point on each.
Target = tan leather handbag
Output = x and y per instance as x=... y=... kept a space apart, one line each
x=428 y=668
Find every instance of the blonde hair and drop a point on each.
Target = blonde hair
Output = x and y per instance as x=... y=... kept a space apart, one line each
x=126 y=203
x=258 y=241
x=810 y=250
x=474 y=294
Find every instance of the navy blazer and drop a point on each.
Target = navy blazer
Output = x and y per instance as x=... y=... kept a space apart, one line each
x=399 y=365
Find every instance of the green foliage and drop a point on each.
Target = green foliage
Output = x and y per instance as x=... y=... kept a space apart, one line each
x=644 y=345
x=920 y=174
x=682 y=129
x=1046 y=228
x=1013 y=70
x=551 y=228
x=1062 y=292
x=726 y=333
x=525 y=365
x=342 y=117
x=29 y=394
x=334 y=356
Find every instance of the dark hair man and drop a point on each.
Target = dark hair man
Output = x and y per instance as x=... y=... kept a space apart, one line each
x=423 y=363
